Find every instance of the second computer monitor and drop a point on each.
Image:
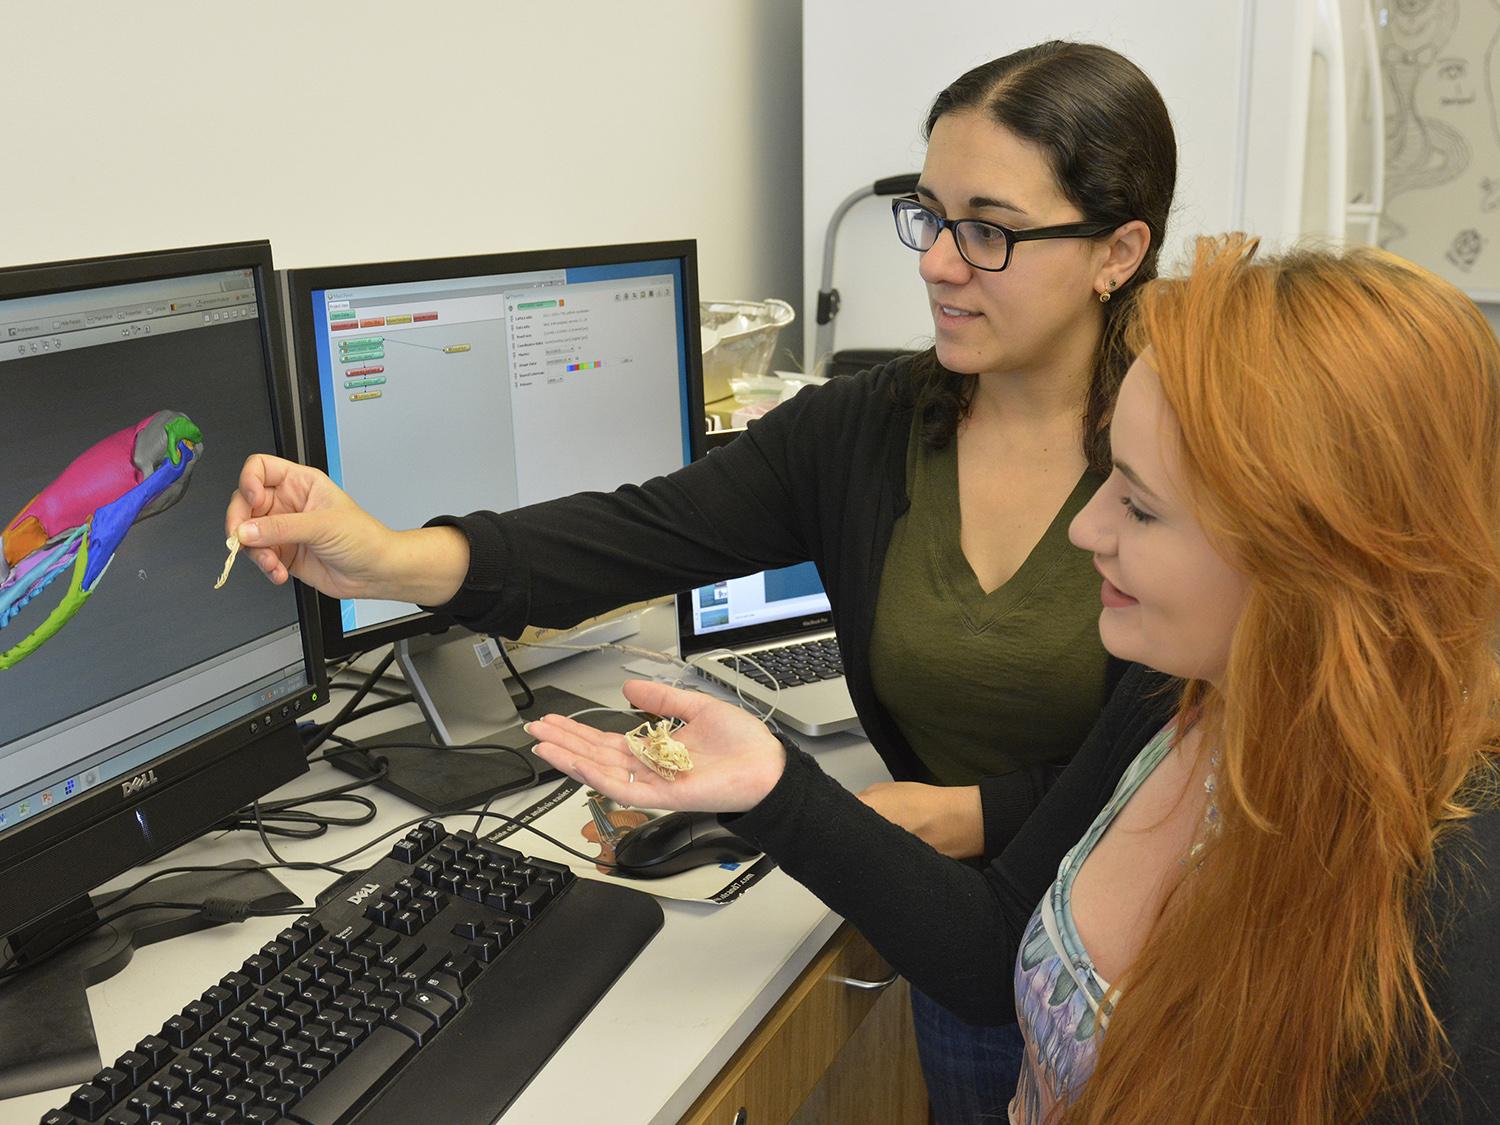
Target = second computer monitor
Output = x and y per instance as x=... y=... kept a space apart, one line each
x=451 y=385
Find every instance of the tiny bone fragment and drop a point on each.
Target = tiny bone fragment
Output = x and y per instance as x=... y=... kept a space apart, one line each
x=233 y=543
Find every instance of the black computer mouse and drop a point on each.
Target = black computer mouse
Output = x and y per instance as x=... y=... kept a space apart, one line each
x=678 y=841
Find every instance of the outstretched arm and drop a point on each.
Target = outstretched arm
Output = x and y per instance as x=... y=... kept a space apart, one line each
x=296 y=523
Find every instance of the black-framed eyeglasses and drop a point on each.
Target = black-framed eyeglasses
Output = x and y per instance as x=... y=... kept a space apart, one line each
x=984 y=245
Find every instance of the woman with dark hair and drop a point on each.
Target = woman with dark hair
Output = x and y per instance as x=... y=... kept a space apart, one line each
x=1282 y=902
x=933 y=493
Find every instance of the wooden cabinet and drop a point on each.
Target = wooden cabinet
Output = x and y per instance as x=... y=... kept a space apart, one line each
x=830 y=1053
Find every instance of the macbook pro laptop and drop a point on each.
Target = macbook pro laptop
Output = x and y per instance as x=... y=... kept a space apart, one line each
x=781 y=618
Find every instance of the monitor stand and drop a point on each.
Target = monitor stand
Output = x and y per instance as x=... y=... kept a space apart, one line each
x=459 y=682
x=50 y=999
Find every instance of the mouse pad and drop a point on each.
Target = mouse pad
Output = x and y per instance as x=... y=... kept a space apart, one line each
x=584 y=820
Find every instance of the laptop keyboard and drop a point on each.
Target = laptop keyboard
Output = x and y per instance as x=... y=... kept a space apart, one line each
x=792 y=665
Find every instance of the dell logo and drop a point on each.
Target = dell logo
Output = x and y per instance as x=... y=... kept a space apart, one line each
x=138 y=782
x=363 y=893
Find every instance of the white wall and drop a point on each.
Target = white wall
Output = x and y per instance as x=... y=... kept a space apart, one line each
x=872 y=67
x=381 y=130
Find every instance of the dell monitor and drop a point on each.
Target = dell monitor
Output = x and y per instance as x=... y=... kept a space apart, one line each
x=139 y=704
x=487 y=382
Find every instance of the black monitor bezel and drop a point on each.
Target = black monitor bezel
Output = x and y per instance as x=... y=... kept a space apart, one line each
x=300 y=285
x=52 y=858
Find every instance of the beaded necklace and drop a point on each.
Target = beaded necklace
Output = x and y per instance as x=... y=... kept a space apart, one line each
x=1210 y=826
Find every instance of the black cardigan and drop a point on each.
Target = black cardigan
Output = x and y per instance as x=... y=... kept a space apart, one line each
x=822 y=477
x=953 y=929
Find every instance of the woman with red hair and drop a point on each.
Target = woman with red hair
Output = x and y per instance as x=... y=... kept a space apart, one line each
x=1284 y=905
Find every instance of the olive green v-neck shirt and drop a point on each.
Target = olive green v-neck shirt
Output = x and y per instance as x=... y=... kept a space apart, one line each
x=985 y=684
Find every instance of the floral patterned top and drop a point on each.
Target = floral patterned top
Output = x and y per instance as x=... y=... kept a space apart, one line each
x=1060 y=997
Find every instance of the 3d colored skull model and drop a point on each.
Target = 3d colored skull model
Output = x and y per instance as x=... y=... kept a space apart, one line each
x=82 y=517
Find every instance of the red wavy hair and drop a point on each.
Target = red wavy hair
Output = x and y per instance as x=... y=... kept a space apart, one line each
x=1339 y=424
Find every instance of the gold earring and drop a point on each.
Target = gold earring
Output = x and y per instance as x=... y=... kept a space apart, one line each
x=1104 y=297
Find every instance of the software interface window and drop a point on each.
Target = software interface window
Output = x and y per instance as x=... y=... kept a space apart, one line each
x=129 y=410
x=497 y=392
x=774 y=595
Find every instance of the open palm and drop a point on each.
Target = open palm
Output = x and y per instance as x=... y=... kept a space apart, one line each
x=736 y=759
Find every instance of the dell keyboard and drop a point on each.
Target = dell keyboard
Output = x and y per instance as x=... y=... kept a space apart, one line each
x=792 y=665
x=430 y=988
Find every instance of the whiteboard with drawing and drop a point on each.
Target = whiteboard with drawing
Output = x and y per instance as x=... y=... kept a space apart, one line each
x=1440 y=61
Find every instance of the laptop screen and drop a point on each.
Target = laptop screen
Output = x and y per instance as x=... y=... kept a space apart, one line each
x=758 y=599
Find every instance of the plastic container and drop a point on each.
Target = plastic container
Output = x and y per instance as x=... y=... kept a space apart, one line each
x=769 y=390
x=739 y=338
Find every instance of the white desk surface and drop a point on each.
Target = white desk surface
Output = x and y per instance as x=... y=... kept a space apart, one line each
x=651 y=1045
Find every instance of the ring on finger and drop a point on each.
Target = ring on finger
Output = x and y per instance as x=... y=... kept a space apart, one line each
x=632 y=777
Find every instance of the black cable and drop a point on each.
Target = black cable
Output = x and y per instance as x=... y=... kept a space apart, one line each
x=535 y=831
x=282 y=808
x=348 y=713
x=377 y=766
x=533 y=775
x=116 y=896
x=379 y=690
x=113 y=897
x=479 y=749
x=280 y=817
x=395 y=686
x=334 y=668
x=320 y=734
x=294 y=865
x=349 y=746
x=486 y=811
x=511 y=667
x=482 y=813
x=302 y=824
x=384 y=705
x=11 y=968
x=339 y=793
